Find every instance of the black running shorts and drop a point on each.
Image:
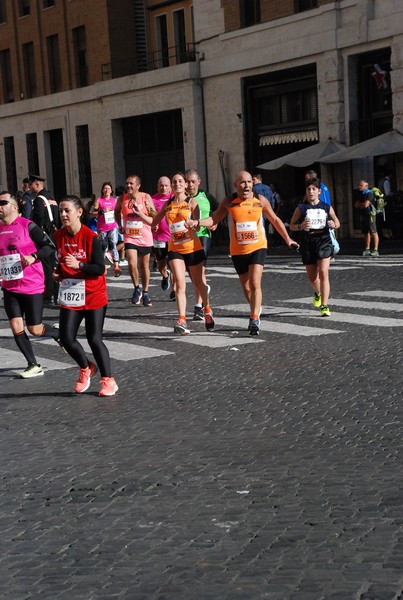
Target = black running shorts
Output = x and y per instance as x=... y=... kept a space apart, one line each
x=28 y=306
x=142 y=250
x=315 y=247
x=191 y=260
x=241 y=262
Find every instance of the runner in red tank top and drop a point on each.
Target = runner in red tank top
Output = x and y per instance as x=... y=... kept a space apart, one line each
x=82 y=295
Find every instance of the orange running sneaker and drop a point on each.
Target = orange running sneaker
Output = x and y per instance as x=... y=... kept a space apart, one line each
x=109 y=387
x=84 y=380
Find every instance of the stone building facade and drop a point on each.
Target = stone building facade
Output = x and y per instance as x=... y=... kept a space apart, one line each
x=151 y=87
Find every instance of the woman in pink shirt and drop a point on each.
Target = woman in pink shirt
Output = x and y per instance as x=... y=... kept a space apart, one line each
x=107 y=228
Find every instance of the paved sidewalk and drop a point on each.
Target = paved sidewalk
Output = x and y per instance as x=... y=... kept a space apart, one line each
x=226 y=467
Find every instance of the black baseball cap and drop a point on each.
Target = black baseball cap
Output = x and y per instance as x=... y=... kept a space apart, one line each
x=33 y=177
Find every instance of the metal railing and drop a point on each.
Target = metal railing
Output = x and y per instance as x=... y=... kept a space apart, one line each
x=168 y=57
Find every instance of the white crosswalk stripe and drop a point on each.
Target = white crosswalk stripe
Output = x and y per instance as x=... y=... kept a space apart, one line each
x=379 y=294
x=118 y=350
x=218 y=340
x=14 y=361
x=276 y=327
x=354 y=304
x=354 y=318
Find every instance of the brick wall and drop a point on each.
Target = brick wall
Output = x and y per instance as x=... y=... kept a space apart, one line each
x=60 y=19
x=122 y=35
x=269 y=11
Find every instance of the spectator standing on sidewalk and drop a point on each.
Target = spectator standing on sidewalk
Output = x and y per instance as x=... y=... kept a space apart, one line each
x=45 y=214
x=264 y=190
x=368 y=219
x=25 y=203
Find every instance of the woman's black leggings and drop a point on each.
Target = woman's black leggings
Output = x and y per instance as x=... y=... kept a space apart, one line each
x=70 y=321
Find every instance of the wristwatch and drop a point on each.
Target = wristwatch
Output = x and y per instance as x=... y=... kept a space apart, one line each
x=80 y=265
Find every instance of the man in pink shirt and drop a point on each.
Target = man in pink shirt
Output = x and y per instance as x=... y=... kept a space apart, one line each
x=137 y=235
x=161 y=232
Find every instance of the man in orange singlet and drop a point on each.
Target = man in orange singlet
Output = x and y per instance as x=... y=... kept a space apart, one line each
x=248 y=242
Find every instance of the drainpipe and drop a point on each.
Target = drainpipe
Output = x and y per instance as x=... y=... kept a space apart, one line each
x=199 y=82
x=21 y=79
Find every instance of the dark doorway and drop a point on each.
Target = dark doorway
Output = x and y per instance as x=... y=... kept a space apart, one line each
x=58 y=164
x=153 y=146
x=281 y=116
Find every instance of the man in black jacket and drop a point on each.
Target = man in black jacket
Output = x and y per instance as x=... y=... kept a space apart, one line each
x=45 y=213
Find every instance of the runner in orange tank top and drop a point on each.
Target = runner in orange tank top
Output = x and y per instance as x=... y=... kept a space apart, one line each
x=248 y=241
x=184 y=250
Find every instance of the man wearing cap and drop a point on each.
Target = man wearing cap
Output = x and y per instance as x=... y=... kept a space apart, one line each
x=25 y=203
x=45 y=213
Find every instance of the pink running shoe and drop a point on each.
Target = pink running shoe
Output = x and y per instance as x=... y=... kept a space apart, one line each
x=84 y=380
x=109 y=387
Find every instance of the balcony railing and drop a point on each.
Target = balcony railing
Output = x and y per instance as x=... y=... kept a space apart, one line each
x=173 y=55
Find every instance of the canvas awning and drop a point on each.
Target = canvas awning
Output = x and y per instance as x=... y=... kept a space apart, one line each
x=305 y=157
x=386 y=143
x=288 y=138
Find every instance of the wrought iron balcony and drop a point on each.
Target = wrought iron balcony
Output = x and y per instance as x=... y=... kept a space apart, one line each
x=173 y=55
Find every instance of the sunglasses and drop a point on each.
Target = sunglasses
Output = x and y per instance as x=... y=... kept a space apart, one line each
x=4 y=202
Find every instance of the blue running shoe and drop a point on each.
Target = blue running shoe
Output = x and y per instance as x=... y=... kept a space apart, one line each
x=137 y=296
x=254 y=326
x=146 y=299
x=166 y=283
x=209 y=321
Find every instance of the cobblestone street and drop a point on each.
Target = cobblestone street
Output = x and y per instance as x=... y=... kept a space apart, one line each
x=226 y=466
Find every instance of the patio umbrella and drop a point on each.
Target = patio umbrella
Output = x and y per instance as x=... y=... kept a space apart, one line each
x=386 y=143
x=304 y=157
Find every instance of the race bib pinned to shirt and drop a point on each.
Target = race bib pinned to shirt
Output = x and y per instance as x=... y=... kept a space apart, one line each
x=109 y=217
x=72 y=292
x=134 y=229
x=11 y=267
x=317 y=218
x=246 y=232
x=179 y=233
